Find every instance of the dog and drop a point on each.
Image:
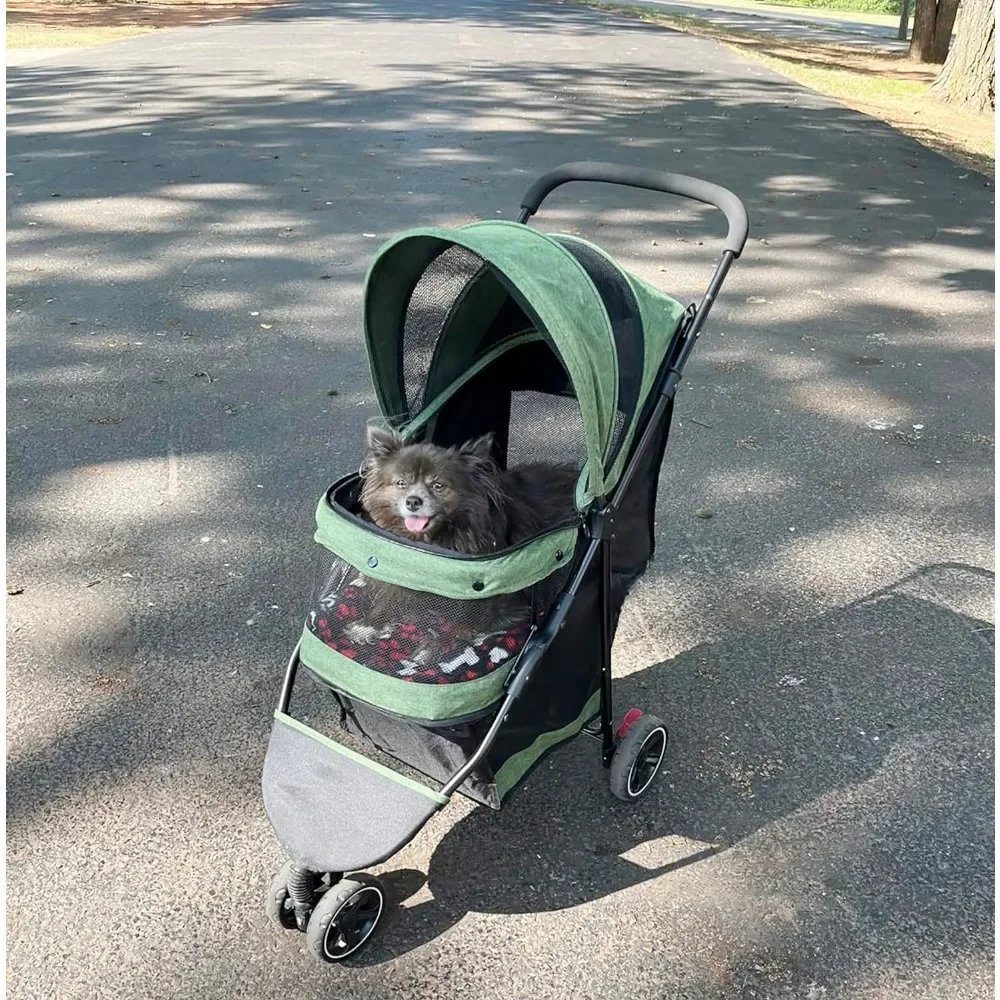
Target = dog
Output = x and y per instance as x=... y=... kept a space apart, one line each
x=458 y=498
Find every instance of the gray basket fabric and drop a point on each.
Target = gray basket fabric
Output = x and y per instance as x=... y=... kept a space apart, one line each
x=333 y=809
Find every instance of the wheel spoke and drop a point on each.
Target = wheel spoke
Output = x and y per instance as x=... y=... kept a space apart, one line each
x=371 y=907
x=646 y=763
x=353 y=923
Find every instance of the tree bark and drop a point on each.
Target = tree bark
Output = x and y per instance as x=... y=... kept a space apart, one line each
x=933 y=21
x=944 y=25
x=969 y=76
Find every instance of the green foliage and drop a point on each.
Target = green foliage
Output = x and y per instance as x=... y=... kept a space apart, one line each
x=867 y=6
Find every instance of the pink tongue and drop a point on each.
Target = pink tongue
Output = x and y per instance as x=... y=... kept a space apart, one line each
x=416 y=524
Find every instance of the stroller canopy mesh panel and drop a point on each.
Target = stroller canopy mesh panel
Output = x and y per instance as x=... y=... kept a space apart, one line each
x=441 y=304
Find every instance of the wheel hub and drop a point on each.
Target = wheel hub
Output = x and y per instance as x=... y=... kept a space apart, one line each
x=353 y=923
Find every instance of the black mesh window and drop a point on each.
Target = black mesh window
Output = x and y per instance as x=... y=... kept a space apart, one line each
x=626 y=325
x=545 y=428
x=431 y=302
x=422 y=637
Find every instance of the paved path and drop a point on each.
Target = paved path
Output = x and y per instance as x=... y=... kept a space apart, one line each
x=25 y=57
x=782 y=22
x=188 y=220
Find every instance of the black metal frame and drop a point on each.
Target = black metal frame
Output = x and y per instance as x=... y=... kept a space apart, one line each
x=600 y=524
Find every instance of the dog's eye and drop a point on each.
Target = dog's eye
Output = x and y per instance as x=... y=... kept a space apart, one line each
x=437 y=486
x=400 y=483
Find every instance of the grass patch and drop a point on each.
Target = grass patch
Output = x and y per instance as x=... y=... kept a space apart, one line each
x=44 y=36
x=862 y=6
x=822 y=9
x=882 y=85
x=56 y=24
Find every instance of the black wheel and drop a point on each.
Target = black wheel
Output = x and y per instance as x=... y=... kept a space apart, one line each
x=345 y=918
x=638 y=757
x=279 y=906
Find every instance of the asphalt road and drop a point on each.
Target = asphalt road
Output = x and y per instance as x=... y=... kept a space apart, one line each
x=190 y=216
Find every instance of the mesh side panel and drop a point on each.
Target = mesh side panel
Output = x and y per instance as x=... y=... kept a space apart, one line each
x=626 y=325
x=545 y=428
x=421 y=637
x=617 y=430
x=426 y=313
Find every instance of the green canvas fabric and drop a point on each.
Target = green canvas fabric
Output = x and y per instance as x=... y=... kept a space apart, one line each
x=547 y=281
x=394 y=561
x=661 y=317
x=427 y=702
x=554 y=289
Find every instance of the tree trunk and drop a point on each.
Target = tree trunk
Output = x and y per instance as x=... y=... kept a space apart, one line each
x=969 y=75
x=933 y=21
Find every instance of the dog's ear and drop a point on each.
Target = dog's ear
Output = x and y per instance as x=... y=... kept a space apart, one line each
x=480 y=450
x=380 y=444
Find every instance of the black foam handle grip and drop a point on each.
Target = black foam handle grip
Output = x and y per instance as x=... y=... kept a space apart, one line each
x=650 y=180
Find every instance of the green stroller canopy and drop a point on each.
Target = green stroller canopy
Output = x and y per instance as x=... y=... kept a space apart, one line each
x=441 y=305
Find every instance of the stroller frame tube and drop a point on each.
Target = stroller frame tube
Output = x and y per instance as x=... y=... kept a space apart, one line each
x=601 y=520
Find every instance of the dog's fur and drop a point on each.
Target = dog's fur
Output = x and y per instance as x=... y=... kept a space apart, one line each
x=458 y=498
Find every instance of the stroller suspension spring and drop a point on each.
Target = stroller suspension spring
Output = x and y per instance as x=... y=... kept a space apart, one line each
x=301 y=892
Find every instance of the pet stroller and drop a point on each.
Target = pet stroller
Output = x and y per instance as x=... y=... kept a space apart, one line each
x=481 y=664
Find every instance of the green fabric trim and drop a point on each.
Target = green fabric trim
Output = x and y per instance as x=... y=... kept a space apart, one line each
x=358 y=758
x=392 y=560
x=546 y=277
x=514 y=768
x=445 y=394
x=429 y=702
x=661 y=316
x=661 y=319
x=385 y=316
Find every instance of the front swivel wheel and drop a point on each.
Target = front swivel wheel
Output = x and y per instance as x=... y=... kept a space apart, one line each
x=345 y=917
x=293 y=885
x=280 y=908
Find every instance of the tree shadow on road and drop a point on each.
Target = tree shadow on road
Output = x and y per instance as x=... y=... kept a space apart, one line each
x=186 y=374
x=833 y=756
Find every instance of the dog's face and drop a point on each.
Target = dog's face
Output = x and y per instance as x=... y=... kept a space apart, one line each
x=420 y=491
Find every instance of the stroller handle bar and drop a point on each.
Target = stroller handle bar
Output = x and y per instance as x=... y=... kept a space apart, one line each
x=650 y=180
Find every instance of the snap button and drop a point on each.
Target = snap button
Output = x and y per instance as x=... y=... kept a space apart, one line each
x=372 y=562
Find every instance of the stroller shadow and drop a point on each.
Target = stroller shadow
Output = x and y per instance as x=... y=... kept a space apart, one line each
x=761 y=726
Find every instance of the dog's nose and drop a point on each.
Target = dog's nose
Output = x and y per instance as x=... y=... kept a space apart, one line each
x=414 y=502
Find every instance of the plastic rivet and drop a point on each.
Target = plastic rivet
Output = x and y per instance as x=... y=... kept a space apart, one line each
x=479 y=585
x=372 y=562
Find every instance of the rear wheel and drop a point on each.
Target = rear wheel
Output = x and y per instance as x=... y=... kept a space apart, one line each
x=345 y=917
x=638 y=756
